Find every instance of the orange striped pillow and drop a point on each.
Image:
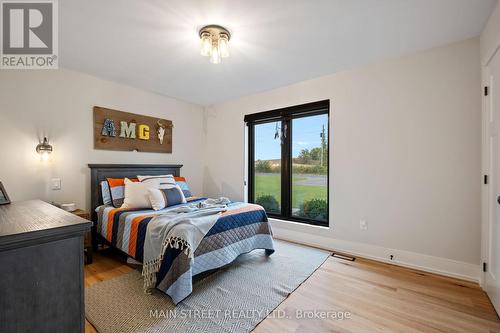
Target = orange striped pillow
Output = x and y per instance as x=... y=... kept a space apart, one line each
x=181 y=181
x=113 y=182
x=117 y=190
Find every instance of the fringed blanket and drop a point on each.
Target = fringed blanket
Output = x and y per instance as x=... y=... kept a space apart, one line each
x=183 y=228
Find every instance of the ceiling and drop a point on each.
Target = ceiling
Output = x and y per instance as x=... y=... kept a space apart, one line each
x=154 y=44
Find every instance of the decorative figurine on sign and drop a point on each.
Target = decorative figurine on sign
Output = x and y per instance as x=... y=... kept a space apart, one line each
x=161 y=131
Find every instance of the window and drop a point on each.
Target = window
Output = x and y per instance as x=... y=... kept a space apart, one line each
x=288 y=162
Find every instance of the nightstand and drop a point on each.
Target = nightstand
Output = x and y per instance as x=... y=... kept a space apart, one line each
x=87 y=240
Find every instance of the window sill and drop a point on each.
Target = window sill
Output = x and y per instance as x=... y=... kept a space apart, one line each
x=283 y=222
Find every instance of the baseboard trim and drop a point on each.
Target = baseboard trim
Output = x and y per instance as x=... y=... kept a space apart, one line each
x=423 y=262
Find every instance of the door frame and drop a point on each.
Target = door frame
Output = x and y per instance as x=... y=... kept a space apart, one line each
x=486 y=189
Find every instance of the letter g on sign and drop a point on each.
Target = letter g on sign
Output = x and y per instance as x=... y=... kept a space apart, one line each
x=144 y=132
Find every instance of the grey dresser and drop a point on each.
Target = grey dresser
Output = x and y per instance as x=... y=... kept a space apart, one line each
x=41 y=269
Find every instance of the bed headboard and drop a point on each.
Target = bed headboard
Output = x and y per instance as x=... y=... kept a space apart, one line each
x=99 y=172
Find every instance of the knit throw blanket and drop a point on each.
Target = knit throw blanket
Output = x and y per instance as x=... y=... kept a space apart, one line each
x=181 y=228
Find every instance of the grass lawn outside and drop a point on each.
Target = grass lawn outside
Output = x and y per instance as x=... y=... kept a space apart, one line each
x=270 y=184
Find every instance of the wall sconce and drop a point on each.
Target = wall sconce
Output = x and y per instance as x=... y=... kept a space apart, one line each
x=44 y=149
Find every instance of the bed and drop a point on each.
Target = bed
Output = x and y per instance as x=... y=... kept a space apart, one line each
x=242 y=228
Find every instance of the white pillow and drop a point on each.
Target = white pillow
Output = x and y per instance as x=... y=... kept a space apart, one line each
x=159 y=200
x=161 y=181
x=137 y=195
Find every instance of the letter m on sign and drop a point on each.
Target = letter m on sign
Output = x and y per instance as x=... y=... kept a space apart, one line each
x=127 y=130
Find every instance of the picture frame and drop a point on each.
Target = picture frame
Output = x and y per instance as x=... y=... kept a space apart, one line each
x=4 y=197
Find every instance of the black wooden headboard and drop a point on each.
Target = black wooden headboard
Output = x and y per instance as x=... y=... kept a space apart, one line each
x=99 y=172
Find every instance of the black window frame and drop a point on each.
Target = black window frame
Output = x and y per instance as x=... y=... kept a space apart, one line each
x=286 y=116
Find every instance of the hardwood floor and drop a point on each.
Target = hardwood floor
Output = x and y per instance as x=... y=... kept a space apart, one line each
x=379 y=297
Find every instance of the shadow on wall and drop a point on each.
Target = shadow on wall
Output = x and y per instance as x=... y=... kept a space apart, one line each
x=235 y=194
x=210 y=188
x=86 y=172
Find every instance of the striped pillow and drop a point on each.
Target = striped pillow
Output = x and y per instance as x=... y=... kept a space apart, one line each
x=117 y=190
x=181 y=181
x=161 y=181
x=161 y=198
x=105 y=193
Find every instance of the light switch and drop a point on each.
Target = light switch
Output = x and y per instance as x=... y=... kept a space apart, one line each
x=56 y=183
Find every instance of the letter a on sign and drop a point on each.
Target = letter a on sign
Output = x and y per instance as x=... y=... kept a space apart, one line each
x=108 y=129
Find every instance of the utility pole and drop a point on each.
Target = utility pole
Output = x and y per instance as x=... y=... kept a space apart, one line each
x=323 y=144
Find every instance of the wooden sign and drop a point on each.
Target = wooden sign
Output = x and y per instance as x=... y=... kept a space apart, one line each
x=118 y=130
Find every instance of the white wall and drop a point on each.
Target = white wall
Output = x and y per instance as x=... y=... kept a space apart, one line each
x=490 y=37
x=58 y=103
x=405 y=156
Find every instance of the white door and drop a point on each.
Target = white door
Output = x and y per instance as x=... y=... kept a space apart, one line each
x=492 y=276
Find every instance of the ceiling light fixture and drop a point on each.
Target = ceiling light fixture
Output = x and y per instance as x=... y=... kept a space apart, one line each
x=215 y=42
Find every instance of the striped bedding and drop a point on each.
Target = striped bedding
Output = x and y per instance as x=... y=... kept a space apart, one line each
x=241 y=229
